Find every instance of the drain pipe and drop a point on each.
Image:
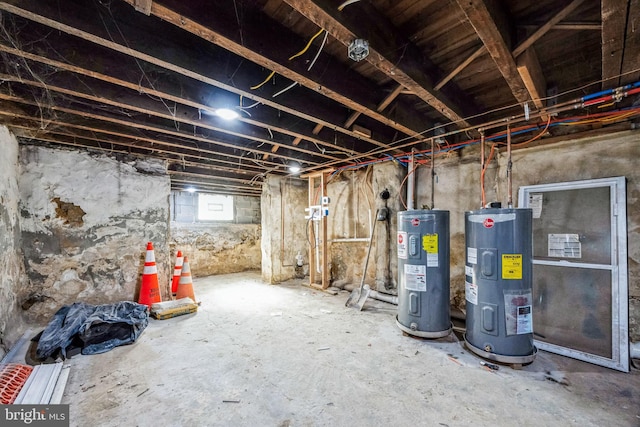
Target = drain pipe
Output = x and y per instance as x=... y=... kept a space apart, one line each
x=482 y=167
x=411 y=182
x=433 y=174
x=509 y=172
x=634 y=350
x=391 y=299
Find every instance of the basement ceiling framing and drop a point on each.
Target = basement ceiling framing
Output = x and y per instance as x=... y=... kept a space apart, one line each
x=144 y=77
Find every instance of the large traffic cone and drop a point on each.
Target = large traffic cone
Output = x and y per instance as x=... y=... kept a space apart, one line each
x=177 y=271
x=149 y=290
x=185 y=286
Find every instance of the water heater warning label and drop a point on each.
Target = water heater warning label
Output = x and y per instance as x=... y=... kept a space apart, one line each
x=430 y=246
x=415 y=277
x=512 y=266
x=402 y=244
x=471 y=292
x=472 y=255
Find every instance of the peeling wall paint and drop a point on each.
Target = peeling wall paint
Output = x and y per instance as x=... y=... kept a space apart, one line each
x=355 y=197
x=86 y=219
x=12 y=277
x=284 y=228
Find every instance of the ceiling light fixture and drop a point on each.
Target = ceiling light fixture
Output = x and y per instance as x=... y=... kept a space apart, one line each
x=190 y=189
x=358 y=49
x=294 y=168
x=227 y=114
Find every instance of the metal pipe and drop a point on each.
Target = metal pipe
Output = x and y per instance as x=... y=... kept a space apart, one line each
x=433 y=174
x=391 y=299
x=482 y=166
x=634 y=350
x=411 y=182
x=366 y=260
x=316 y=226
x=509 y=174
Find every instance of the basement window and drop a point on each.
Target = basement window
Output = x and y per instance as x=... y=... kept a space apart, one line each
x=215 y=207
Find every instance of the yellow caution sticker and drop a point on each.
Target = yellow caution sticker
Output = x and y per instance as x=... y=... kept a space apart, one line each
x=512 y=266
x=430 y=243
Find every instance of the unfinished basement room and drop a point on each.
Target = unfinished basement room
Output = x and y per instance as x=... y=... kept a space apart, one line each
x=319 y=213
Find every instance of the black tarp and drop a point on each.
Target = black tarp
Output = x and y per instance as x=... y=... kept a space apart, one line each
x=97 y=329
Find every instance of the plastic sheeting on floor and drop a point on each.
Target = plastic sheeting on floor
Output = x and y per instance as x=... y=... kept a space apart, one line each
x=96 y=329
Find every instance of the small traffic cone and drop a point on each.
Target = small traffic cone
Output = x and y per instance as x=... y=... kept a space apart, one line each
x=185 y=286
x=177 y=271
x=149 y=290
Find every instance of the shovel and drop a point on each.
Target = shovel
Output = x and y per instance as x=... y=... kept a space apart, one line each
x=359 y=295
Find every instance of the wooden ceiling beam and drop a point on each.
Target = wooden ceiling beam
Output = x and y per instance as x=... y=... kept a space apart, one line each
x=569 y=26
x=143 y=126
x=115 y=137
x=249 y=44
x=531 y=73
x=631 y=58
x=480 y=14
x=405 y=66
x=58 y=83
x=185 y=97
x=218 y=177
x=614 y=15
x=546 y=27
x=468 y=60
x=43 y=13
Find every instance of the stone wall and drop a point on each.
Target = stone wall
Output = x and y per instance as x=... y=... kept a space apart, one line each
x=12 y=278
x=86 y=219
x=216 y=247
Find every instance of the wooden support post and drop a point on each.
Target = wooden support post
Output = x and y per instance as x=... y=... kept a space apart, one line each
x=318 y=245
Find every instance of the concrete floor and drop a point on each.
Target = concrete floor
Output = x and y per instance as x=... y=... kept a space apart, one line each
x=287 y=355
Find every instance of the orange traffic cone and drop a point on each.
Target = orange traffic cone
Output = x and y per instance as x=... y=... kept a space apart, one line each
x=150 y=290
x=185 y=286
x=177 y=271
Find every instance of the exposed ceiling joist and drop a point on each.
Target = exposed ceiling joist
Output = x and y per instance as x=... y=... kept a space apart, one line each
x=546 y=27
x=614 y=17
x=223 y=32
x=136 y=46
x=406 y=67
x=480 y=14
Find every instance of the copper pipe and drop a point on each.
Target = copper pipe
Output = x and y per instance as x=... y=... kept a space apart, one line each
x=509 y=164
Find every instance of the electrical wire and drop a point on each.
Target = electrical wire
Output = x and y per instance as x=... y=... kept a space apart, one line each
x=308 y=45
x=347 y=3
x=258 y=86
x=284 y=90
x=315 y=58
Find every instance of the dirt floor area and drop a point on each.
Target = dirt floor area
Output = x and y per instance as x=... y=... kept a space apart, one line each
x=287 y=355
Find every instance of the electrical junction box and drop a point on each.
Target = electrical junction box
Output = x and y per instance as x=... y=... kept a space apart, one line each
x=326 y=200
